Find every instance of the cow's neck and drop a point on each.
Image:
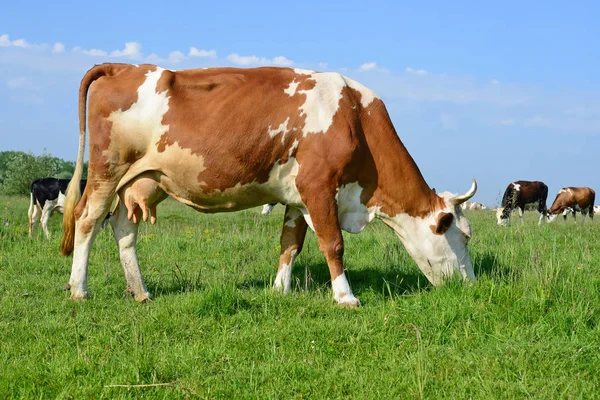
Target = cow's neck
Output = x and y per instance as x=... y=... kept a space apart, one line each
x=401 y=188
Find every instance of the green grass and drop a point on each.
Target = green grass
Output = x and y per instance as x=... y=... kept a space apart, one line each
x=528 y=328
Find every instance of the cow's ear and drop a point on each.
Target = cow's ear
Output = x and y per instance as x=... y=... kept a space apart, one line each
x=444 y=221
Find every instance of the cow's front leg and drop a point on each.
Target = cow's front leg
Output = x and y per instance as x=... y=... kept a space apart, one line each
x=322 y=208
x=35 y=213
x=542 y=217
x=126 y=232
x=292 y=240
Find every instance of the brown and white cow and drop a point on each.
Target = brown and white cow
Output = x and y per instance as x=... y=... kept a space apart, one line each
x=573 y=199
x=227 y=139
x=473 y=205
x=520 y=194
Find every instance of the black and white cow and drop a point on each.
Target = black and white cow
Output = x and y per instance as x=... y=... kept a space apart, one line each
x=46 y=196
x=520 y=194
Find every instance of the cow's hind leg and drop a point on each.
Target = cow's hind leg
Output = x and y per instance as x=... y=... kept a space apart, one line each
x=542 y=217
x=89 y=214
x=46 y=214
x=137 y=200
x=34 y=215
x=292 y=240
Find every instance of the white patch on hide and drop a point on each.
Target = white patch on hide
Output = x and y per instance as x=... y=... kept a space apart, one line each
x=366 y=95
x=283 y=280
x=145 y=116
x=291 y=90
x=322 y=102
x=352 y=214
x=293 y=214
x=283 y=129
x=293 y=147
x=300 y=71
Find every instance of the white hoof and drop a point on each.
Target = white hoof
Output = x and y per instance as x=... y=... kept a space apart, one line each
x=348 y=301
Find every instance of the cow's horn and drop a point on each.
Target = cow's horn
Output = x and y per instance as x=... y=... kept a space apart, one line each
x=464 y=197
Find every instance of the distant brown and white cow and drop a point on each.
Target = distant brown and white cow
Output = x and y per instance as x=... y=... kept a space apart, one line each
x=573 y=199
x=46 y=196
x=520 y=194
x=227 y=139
x=473 y=205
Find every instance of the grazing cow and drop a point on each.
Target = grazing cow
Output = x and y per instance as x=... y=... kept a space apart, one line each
x=573 y=199
x=520 y=194
x=226 y=139
x=596 y=209
x=473 y=205
x=46 y=196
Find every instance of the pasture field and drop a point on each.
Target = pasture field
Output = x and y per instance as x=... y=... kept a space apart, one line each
x=527 y=328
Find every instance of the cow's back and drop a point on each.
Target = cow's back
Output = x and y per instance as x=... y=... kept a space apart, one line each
x=236 y=150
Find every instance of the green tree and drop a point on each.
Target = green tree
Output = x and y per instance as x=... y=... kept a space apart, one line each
x=21 y=169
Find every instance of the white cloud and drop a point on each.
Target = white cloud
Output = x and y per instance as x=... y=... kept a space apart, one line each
x=6 y=42
x=507 y=122
x=131 y=50
x=323 y=66
x=22 y=82
x=154 y=58
x=176 y=56
x=368 y=66
x=20 y=43
x=421 y=72
x=194 y=52
x=281 y=60
x=253 y=60
x=495 y=82
x=58 y=48
x=94 y=52
x=245 y=60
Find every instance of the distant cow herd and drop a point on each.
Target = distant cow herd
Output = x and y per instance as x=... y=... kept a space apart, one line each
x=227 y=139
x=521 y=194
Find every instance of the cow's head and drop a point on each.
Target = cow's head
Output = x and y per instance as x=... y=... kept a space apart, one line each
x=503 y=216
x=438 y=241
x=551 y=215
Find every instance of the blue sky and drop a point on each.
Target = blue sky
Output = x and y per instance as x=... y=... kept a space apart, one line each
x=498 y=92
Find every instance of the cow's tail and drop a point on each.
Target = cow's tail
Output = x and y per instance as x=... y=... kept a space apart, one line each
x=73 y=190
